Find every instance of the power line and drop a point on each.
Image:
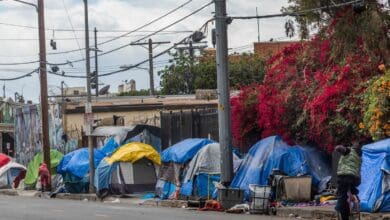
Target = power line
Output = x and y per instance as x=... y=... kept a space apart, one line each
x=71 y=25
x=19 y=77
x=143 y=38
x=137 y=29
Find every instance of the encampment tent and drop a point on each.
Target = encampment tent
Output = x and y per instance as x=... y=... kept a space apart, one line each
x=125 y=134
x=74 y=166
x=374 y=190
x=32 y=168
x=203 y=170
x=175 y=159
x=272 y=153
x=129 y=170
x=4 y=159
x=11 y=174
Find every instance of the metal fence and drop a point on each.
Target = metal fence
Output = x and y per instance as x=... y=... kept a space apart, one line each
x=177 y=126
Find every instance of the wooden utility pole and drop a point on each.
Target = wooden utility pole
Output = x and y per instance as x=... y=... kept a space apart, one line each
x=150 y=48
x=43 y=82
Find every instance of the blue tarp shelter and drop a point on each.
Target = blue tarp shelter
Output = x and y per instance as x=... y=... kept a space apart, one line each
x=174 y=159
x=74 y=166
x=184 y=151
x=374 y=190
x=272 y=153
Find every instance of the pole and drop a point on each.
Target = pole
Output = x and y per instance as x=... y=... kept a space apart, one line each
x=43 y=82
x=96 y=64
x=4 y=90
x=258 y=26
x=88 y=105
x=224 y=122
x=151 y=77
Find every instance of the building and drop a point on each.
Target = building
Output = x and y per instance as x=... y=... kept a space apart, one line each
x=73 y=91
x=7 y=126
x=268 y=49
x=133 y=109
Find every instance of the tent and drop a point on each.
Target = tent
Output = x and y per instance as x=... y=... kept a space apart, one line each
x=175 y=159
x=374 y=190
x=129 y=170
x=203 y=170
x=11 y=174
x=272 y=153
x=33 y=166
x=74 y=166
x=125 y=134
x=4 y=159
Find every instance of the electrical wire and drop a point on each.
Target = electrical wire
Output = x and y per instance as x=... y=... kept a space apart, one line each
x=137 y=29
x=143 y=38
x=19 y=77
x=71 y=25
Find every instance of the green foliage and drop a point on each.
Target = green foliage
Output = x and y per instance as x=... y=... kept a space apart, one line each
x=184 y=76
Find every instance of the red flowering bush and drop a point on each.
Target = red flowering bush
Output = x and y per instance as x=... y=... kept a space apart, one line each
x=312 y=91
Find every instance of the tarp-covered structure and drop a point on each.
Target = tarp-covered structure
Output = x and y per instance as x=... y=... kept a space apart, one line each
x=125 y=134
x=74 y=166
x=174 y=160
x=272 y=153
x=33 y=167
x=129 y=170
x=374 y=190
x=203 y=170
x=11 y=173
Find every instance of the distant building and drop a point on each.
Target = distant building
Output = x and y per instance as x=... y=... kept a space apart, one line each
x=129 y=86
x=73 y=91
x=268 y=49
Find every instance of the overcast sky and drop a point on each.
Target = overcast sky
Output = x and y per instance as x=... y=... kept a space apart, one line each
x=20 y=44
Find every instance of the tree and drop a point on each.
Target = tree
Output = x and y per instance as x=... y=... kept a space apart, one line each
x=184 y=77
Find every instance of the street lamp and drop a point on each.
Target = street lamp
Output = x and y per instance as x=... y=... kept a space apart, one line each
x=42 y=78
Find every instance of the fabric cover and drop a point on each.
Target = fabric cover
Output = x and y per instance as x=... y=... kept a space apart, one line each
x=374 y=190
x=184 y=151
x=268 y=154
x=132 y=152
x=77 y=162
x=33 y=166
x=9 y=172
x=4 y=159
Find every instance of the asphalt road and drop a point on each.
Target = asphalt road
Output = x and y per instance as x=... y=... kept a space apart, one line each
x=27 y=208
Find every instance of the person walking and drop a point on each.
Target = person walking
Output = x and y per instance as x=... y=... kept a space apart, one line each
x=348 y=178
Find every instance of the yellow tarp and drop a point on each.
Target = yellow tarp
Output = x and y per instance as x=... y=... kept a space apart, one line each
x=132 y=152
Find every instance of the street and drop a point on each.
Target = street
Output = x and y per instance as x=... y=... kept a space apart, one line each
x=27 y=208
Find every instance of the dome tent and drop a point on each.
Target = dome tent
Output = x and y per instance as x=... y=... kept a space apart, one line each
x=130 y=169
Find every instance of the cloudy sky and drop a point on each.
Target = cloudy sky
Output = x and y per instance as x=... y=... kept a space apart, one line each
x=19 y=43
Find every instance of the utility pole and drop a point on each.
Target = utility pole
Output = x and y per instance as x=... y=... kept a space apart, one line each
x=96 y=64
x=224 y=120
x=88 y=104
x=43 y=82
x=150 y=48
x=4 y=90
x=258 y=26
x=151 y=72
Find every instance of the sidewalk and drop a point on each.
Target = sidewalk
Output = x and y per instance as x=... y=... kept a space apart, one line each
x=311 y=212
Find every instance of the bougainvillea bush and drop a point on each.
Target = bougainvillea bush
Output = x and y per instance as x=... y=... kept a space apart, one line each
x=313 y=91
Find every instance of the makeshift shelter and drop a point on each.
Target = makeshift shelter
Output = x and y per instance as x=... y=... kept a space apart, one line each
x=374 y=190
x=130 y=169
x=11 y=174
x=124 y=134
x=175 y=159
x=32 y=168
x=272 y=153
x=4 y=159
x=74 y=166
x=203 y=170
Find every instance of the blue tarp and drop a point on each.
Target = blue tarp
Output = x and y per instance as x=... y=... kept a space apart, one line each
x=109 y=148
x=77 y=162
x=184 y=151
x=374 y=191
x=272 y=153
x=103 y=175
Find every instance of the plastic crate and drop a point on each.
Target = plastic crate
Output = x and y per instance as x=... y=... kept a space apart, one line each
x=230 y=197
